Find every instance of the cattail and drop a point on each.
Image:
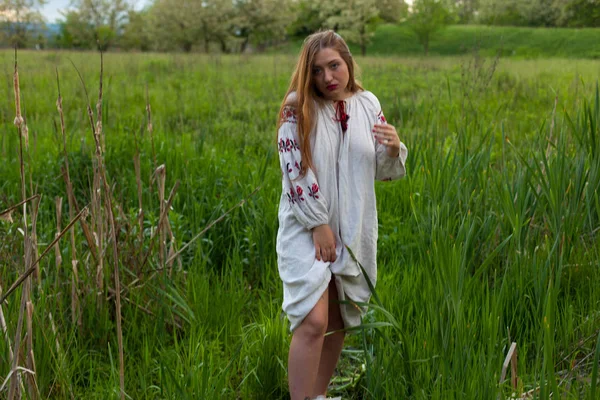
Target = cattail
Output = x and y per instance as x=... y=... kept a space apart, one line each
x=19 y=118
x=150 y=127
x=30 y=360
x=19 y=121
x=5 y=331
x=161 y=176
x=7 y=217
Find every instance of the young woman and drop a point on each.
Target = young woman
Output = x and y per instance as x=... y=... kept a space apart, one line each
x=333 y=143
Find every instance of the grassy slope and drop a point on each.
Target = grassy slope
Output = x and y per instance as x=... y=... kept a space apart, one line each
x=461 y=39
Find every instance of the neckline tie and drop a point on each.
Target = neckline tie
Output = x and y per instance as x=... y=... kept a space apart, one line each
x=341 y=116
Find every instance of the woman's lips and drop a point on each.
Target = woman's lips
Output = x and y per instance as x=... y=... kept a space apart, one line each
x=331 y=87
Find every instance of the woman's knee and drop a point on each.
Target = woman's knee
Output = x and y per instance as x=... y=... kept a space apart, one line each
x=315 y=324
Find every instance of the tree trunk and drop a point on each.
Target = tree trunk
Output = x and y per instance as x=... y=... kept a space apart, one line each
x=244 y=44
x=224 y=48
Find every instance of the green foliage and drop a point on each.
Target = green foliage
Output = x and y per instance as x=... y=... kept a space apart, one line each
x=356 y=20
x=20 y=22
x=428 y=17
x=581 y=13
x=309 y=19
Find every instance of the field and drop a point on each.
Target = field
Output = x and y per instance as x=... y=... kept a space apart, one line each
x=492 y=237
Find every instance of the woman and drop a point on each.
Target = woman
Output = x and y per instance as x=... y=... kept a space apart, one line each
x=333 y=143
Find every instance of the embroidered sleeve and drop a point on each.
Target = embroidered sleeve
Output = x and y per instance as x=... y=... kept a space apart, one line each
x=389 y=168
x=303 y=193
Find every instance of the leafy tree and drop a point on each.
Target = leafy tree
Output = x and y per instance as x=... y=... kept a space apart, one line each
x=520 y=13
x=464 y=10
x=176 y=24
x=309 y=18
x=539 y=12
x=355 y=20
x=392 y=11
x=261 y=22
x=137 y=34
x=578 y=13
x=184 y=24
x=103 y=20
x=427 y=18
x=75 y=33
x=497 y=12
x=20 y=21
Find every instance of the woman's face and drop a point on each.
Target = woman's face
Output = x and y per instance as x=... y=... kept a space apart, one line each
x=330 y=74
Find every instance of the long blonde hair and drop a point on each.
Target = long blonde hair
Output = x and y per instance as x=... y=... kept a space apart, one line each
x=306 y=92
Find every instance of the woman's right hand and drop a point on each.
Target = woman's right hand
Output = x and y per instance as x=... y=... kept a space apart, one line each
x=324 y=241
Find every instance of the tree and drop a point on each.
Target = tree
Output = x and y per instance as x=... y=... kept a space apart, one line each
x=309 y=18
x=428 y=17
x=261 y=22
x=355 y=20
x=75 y=33
x=578 y=13
x=539 y=12
x=392 y=11
x=501 y=12
x=20 y=21
x=183 y=24
x=104 y=20
x=175 y=23
x=520 y=13
x=136 y=34
x=464 y=10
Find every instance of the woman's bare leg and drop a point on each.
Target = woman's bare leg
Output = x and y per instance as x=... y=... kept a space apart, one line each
x=305 y=350
x=332 y=345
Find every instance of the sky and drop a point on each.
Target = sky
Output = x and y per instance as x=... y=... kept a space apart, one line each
x=51 y=10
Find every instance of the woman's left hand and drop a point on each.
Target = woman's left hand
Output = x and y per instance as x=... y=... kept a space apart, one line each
x=386 y=134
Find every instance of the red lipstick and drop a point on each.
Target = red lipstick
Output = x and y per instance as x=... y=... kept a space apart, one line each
x=331 y=87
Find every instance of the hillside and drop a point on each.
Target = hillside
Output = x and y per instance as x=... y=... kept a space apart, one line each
x=398 y=40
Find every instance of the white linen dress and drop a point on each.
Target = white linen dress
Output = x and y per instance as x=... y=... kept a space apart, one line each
x=340 y=192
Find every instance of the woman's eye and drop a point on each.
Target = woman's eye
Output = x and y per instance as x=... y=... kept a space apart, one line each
x=316 y=71
x=334 y=65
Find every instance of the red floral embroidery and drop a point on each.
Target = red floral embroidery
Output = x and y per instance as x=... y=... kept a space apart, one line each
x=297 y=194
x=288 y=145
x=289 y=170
x=288 y=114
x=312 y=191
x=381 y=118
x=291 y=196
x=297 y=166
x=299 y=191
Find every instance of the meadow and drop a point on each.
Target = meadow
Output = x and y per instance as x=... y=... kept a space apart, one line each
x=491 y=238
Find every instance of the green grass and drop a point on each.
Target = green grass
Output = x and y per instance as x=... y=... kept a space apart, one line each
x=491 y=238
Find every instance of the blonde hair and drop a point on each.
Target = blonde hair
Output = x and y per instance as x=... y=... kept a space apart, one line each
x=306 y=92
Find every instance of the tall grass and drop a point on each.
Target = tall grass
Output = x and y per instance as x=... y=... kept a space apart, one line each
x=490 y=239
